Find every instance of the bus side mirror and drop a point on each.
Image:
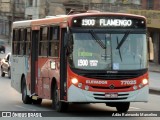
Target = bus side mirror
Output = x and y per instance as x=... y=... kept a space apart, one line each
x=151 y=49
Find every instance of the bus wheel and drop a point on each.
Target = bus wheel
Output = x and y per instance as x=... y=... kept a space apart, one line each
x=56 y=104
x=37 y=102
x=123 y=107
x=25 y=98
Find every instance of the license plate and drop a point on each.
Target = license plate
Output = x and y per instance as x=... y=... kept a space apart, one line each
x=111 y=95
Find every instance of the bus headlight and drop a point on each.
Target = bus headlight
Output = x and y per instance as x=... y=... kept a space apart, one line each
x=144 y=81
x=74 y=80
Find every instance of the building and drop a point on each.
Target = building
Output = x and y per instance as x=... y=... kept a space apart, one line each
x=5 y=16
x=10 y=10
x=153 y=17
x=42 y=8
x=150 y=9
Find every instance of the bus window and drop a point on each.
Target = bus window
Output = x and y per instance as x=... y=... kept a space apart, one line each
x=28 y=41
x=21 y=42
x=13 y=44
x=43 y=41
x=24 y=39
x=16 y=46
x=54 y=41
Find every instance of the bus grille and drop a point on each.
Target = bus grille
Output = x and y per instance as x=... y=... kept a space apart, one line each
x=102 y=87
x=118 y=75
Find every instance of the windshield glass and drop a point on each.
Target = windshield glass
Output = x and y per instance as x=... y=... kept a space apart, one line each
x=108 y=51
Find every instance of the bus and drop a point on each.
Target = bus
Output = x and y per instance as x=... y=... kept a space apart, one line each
x=89 y=57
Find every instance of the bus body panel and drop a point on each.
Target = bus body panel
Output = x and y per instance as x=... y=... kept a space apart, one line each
x=46 y=73
x=19 y=67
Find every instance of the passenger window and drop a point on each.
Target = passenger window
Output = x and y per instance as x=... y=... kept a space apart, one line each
x=54 y=41
x=28 y=42
x=43 y=43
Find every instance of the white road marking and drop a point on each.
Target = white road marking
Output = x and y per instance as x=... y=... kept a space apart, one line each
x=135 y=108
x=25 y=108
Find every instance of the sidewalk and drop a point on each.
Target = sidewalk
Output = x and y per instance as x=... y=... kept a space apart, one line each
x=154 y=67
x=154 y=77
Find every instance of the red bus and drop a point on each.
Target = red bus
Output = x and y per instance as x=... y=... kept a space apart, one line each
x=91 y=57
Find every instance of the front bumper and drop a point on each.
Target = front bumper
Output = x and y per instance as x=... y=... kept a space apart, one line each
x=76 y=94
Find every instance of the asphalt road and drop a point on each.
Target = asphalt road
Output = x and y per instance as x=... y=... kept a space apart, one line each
x=10 y=100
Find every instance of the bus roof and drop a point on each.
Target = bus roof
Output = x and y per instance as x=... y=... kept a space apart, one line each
x=64 y=18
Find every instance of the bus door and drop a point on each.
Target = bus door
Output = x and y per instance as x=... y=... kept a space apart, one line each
x=43 y=83
x=63 y=66
x=34 y=59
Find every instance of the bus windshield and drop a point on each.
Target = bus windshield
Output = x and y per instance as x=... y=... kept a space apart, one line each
x=108 y=51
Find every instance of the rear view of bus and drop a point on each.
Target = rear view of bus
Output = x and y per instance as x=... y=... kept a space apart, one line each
x=107 y=60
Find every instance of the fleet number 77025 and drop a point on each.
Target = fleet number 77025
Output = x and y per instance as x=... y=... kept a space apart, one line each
x=128 y=82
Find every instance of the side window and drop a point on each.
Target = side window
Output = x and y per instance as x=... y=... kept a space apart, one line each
x=53 y=48
x=43 y=43
x=27 y=41
x=21 y=42
x=16 y=44
x=18 y=41
x=13 y=42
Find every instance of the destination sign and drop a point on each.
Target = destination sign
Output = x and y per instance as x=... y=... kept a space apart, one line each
x=115 y=22
x=109 y=22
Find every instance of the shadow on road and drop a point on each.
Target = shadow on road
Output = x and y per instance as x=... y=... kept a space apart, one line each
x=157 y=92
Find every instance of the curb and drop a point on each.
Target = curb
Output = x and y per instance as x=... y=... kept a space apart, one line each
x=154 y=88
x=157 y=71
x=154 y=91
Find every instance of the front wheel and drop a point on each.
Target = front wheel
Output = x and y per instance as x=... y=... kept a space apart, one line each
x=56 y=103
x=123 y=107
x=25 y=98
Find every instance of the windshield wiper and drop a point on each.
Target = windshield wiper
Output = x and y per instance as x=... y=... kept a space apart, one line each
x=97 y=39
x=123 y=40
x=119 y=50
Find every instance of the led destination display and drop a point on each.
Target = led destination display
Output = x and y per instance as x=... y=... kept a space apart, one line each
x=108 y=22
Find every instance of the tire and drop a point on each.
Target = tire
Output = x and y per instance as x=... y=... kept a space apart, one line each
x=9 y=73
x=123 y=107
x=25 y=98
x=56 y=104
x=2 y=73
x=37 y=102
